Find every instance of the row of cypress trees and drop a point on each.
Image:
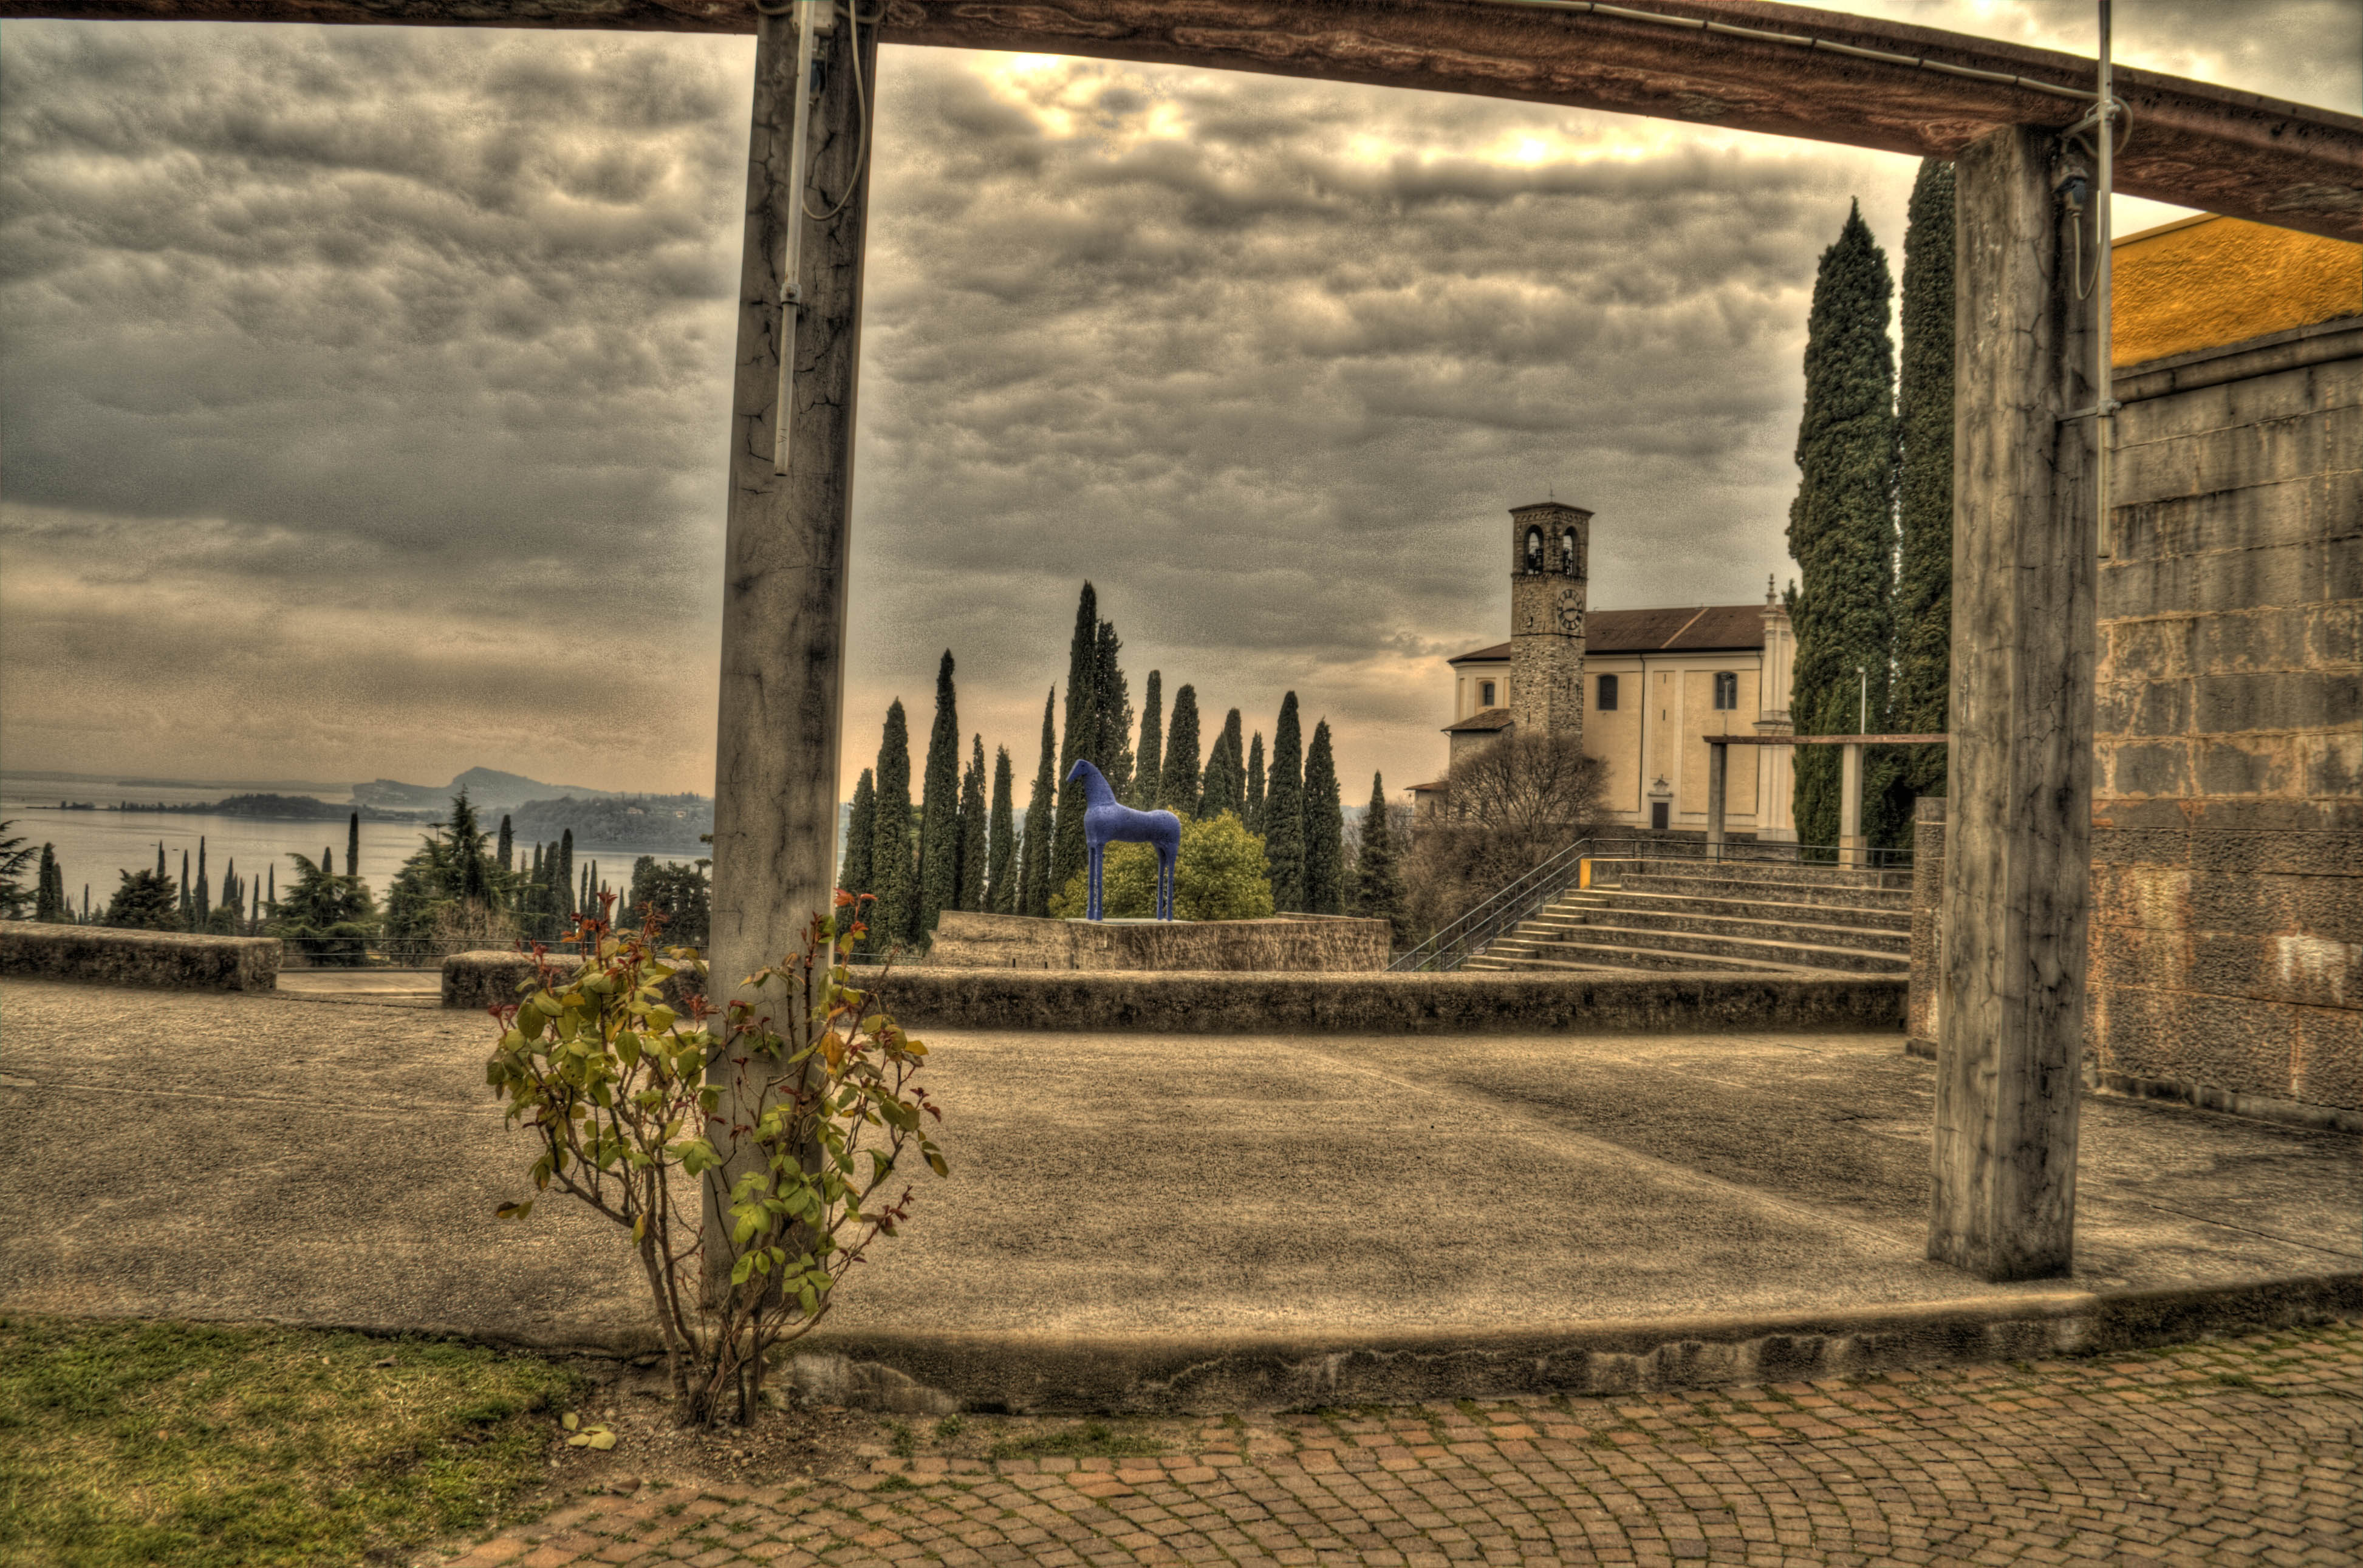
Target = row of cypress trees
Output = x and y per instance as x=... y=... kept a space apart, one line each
x=959 y=847
x=1871 y=524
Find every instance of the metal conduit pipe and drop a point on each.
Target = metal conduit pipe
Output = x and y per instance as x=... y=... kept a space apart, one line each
x=1798 y=40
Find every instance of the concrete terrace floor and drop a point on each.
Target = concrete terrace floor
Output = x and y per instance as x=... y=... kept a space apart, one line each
x=311 y=1160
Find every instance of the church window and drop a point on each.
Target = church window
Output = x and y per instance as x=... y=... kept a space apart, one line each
x=1534 y=549
x=1567 y=552
x=1484 y=694
x=1607 y=701
x=1727 y=691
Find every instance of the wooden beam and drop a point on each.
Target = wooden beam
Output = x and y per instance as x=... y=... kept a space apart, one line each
x=1827 y=740
x=2193 y=144
x=2011 y=952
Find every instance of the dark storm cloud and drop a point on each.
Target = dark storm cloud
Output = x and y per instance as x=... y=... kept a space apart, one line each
x=363 y=385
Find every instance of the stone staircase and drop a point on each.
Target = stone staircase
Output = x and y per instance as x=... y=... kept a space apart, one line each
x=1750 y=916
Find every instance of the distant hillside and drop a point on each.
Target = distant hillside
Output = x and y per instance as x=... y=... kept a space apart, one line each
x=486 y=786
x=621 y=822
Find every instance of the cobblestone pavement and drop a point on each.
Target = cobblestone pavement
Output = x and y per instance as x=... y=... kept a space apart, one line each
x=2223 y=1452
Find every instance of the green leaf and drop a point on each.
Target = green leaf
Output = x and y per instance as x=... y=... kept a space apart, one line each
x=513 y=1211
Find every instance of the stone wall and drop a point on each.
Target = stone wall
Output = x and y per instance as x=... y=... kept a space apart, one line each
x=966 y=939
x=171 y=960
x=2227 y=846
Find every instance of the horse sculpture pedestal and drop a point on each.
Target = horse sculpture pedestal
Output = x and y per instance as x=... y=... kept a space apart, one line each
x=1109 y=820
x=968 y=939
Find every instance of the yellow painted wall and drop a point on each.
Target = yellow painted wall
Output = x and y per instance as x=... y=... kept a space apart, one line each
x=1614 y=738
x=2209 y=280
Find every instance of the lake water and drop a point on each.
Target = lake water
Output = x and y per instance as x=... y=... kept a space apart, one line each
x=97 y=847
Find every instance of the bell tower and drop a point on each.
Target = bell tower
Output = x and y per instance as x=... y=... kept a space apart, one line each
x=1550 y=548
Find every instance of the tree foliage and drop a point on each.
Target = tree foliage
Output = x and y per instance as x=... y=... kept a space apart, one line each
x=1034 y=875
x=1283 y=811
x=939 y=826
x=1253 y=812
x=972 y=830
x=1149 y=763
x=1220 y=876
x=1177 y=791
x=147 y=900
x=1924 y=588
x=1841 y=525
x=448 y=887
x=16 y=854
x=1224 y=787
x=671 y=902
x=1377 y=874
x=893 y=871
x=860 y=828
x=1077 y=736
x=1505 y=808
x=1325 y=829
x=1001 y=841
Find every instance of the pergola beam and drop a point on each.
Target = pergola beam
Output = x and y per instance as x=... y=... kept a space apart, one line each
x=2193 y=144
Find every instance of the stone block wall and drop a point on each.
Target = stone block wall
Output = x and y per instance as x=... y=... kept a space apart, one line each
x=2227 y=845
x=102 y=956
x=968 y=940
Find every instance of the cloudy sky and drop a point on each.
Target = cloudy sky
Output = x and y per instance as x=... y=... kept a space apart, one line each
x=364 y=390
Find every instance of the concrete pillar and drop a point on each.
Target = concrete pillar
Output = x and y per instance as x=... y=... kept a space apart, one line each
x=1716 y=754
x=1852 y=851
x=2011 y=976
x=784 y=559
x=1920 y=1009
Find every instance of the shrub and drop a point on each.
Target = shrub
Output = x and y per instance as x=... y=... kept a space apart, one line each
x=1222 y=875
x=818 y=1119
x=1506 y=809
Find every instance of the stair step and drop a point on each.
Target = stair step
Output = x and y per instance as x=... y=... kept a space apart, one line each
x=1868 y=939
x=1815 y=893
x=1601 y=955
x=1794 y=954
x=1882 y=919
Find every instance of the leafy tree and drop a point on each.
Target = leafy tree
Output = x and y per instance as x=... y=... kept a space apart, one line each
x=972 y=830
x=1253 y=814
x=1924 y=590
x=860 y=832
x=679 y=895
x=16 y=854
x=1283 y=811
x=1078 y=737
x=1842 y=524
x=328 y=917
x=1112 y=703
x=939 y=824
x=1001 y=841
x=49 y=887
x=448 y=889
x=1177 y=791
x=1220 y=876
x=1377 y=874
x=1325 y=829
x=1149 y=763
x=1506 y=807
x=894 y=918
x=146 y=901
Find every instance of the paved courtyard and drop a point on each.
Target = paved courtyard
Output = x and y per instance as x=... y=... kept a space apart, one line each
x=2242 y=1452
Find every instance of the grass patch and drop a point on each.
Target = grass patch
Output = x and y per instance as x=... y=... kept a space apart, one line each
x=1086 y=1439
x=185 y=1445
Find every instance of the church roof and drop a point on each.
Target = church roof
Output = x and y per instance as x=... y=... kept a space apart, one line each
x=1683 y=629
x=1483 y=722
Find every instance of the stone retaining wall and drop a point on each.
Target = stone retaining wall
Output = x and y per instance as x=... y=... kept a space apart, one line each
x=1216 y=1003
x=102 y=956
x=967 y=940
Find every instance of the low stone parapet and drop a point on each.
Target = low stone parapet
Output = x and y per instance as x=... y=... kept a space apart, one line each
x=496 y=976
x=1299 y=944
x=171 y=960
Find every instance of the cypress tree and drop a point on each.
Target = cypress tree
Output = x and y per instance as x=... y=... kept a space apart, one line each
x=1235 y=764
x=160 y=872
x=1149 y=761
x=353 y=845
x=49 y=887
x=185 y=905
x=1842 y=524
x=1001 y=841
x=1034 y=877
x=1112 y=704
x=891 y=861
x=230 y=899
x=1177 y=790
x=1325 y=829
x=939 y=825
x=508 y=845
x=1253 y=815
x=204 y=893
x=1377 y=875
x=1283 y=812
x=1077 y=739
x=269 y=881
x=1223 y=787
x=562 y=880
x=973 y=831
x=1924 y=588
x=860 y=832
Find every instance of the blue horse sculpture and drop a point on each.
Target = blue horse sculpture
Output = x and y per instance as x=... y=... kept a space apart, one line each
x=1108 y=820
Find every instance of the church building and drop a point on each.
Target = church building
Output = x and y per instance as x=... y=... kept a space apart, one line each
x=1641 y=687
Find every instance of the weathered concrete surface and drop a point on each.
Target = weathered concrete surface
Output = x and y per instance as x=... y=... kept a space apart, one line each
x=965 y=940
x=1219 y=1003
x=1142 y=1222
x=174 y=960
x=2202 y=146
x=1920 y=1009
x=2228 y=882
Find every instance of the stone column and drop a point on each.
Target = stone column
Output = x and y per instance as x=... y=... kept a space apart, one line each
x=1852 y=851
x=1919 y=1010
x=2011 y=975
x=784 y=559
x=1717 y=755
